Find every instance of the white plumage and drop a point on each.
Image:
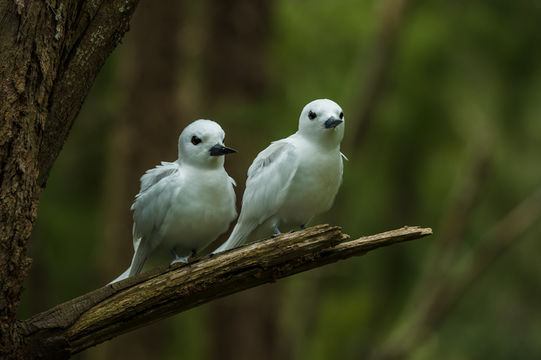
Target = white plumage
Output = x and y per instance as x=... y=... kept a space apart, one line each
x=294 y=178
x=184 y=204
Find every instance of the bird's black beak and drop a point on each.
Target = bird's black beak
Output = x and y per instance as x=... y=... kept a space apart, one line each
x=332 y=122
x=219 y=149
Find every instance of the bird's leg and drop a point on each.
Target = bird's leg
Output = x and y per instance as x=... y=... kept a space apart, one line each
x=276 y=230
x=175 y=255
x=177 y=259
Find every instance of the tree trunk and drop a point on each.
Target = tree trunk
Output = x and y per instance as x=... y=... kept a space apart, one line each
x=50 y=54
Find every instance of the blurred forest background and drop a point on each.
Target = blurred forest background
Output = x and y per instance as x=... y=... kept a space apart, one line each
x=442 y=101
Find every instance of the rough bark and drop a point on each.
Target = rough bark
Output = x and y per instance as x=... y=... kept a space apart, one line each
x=112 y=310
x=50 y=53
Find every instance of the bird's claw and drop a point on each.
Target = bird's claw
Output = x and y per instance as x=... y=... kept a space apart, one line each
x=181 y=259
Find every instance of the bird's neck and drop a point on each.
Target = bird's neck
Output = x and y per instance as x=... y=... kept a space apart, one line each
x=213 y=163
x=324 y=141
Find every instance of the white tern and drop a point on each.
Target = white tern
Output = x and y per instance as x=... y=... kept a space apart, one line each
x=294 y=178
x=184 y=204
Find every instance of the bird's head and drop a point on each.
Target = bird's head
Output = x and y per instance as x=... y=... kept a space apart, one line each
x=322 y=120
x=202 y=144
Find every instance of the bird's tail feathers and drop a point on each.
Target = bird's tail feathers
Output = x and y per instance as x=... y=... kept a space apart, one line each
x=122 y=276
x=136 y=265
x=237 y=237
x=138 y=260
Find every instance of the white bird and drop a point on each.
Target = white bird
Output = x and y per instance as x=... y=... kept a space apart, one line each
x=184 y=204
x=294 y=178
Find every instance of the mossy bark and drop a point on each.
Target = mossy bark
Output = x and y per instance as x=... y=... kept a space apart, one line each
x=135 y=302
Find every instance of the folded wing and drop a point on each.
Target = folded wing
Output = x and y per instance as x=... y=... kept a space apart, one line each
x=152 y=203
x=268 y=181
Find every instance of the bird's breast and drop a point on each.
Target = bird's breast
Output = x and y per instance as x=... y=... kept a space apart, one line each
x=200 y=212
x=313 y=187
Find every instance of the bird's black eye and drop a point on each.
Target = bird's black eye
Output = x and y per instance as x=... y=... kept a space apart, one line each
x=341 y=115
x=312 y=115
x=195 y=140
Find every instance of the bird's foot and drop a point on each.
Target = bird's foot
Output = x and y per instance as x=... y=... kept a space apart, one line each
x=180 y=259
x=276 y=230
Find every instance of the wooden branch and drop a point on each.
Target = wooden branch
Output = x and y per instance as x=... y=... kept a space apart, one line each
x=97 y=28
x=118 y=308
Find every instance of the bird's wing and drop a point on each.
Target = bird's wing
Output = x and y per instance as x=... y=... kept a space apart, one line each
x=153 y=202
x=149 y=210
x=153 y=176
x=268 y=180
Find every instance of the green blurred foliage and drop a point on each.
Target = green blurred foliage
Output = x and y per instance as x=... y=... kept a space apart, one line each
x=465 y=80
